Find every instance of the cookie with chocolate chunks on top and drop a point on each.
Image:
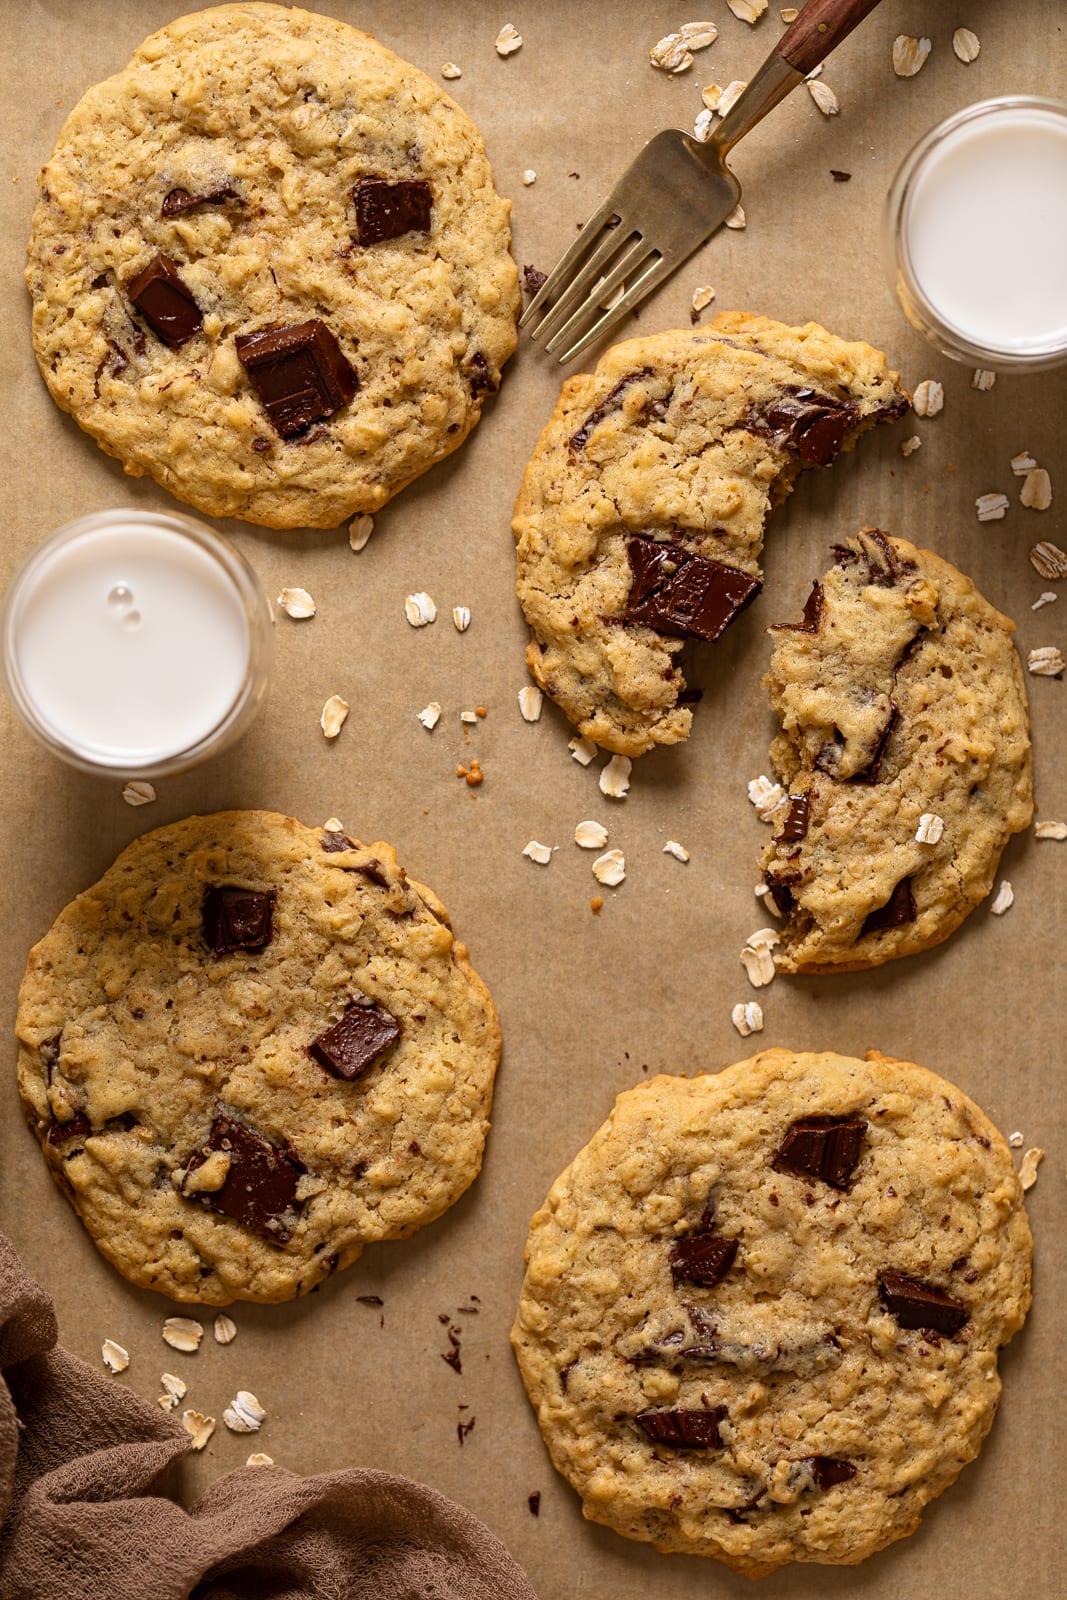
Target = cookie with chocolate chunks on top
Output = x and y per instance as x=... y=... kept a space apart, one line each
x=900 y=695
x=778 y=1410
x=250 y=1050
x=641 y=516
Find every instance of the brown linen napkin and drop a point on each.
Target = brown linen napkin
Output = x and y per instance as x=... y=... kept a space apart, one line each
x=80 y=1461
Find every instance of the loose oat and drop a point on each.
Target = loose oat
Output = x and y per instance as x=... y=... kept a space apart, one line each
x=930 y=828
x=966 y=45
x=671 y=54
x=1051 y=830
x=1005 y=899
x=183 y=1333
x=702 y=296
x=757 y=957
x=1016 y=1141
x=908 y=447
x=419 y=609
x=909 y=54
x=450 y=70
x=982 y=378
x=583 y=750
x=508 y=40
x=333 y=716
x=1045 y=662
x=702 y=126
x=1036 y=492
x=762 y=892
x=767 y=797
x=198 y=1427
x=461 y=618
x=1022 y=463
x=430 y=715
x=699 y=35
x=928 y=399
x=468 y=716
x=727 y=100
x=1028 y=1166
x=610 y=868
x=173 y=1391
x=824 y=98
x=115 y=1358
x=591 y=835
x=1049 y=560
x=360 y=530
x=789 y=13
x=296 y=603
x=259 y=1458
x=1046 y=598
x=333 y=825
x=747 y=10
x=139 y=793
x=991 y=507
x=747 y=1017
x=529 y=177
x=541 y=853
x=678 y=851
x=531 y=700
x=225 y=1329
x=711 y=95
x=244 y=1414
x=816 y=72
x=615 y=777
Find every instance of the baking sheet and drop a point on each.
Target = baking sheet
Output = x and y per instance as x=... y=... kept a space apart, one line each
x=588 y=1004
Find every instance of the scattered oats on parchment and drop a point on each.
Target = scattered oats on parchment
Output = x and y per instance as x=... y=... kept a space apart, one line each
x=173 y=1390
x=461 y=618
x=670 y=54
x=966 y=45
x=1049 y=560
x=296 y=603
x=333 y=825
x=991 y=507
x=757 y=957
x=982 y=378
x=430 y=715
x=1022 y=463
x=531 y=700
x=678 y=851
x=928 y=399
x=244 y=1414
x=1005 y=899
x=747 y=10
x=1036 y=492
x=360 y=530
x=1047 y=597
x=115 y=1358
x=615 y=777
x=610 y=868
x=1028 y=1166
x=225 y=1329
x=259 y=1458
x=541 y=853
x=824 y=97
x=930 y=828
x=1045 y=662
x=333 y=716
x=711 y=95
x=508 y=40
x=908 y=447
x=198 y=1427
x=419 y=609
x=591 y=835
x=1050 y=830
x=909 y=54
x=183 y=1333
x=747 y=1017
x=139 y=793
x=583 y=750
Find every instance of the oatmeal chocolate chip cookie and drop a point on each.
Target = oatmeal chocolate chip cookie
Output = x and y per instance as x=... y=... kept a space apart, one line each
x=251 y=1049
x=640 y=518
x=269 y=267
x=762 y=1309
x=905 y=749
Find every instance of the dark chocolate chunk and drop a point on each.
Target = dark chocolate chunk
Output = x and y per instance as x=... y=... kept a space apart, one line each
x=823 y=1147
x=167 y=305
x=898 y=909
x=736 y=1513
x=299 y=372
x=533 y=278
x=884 y=567
x=682 y=595
x=809 y=622
x=919 y=1305
x=348 y=1048
x=693 y=1430
x=238 y=919
x=76 y=1127
x=260 y=1187
x=480 y=378
x=387 y=210
x=178 y=201
x=534 y=1503
x=702 y=1258
x=609 y=404
x=795 y=826
x=332 y=841
x=812 y=424
x=781 y=893
x=828 y=1470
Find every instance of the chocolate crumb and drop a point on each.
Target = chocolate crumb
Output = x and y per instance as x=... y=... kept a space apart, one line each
x=533 y=278
x=464 y=1428
x=370 y=1299
x=534 y=1503
x=839 y=176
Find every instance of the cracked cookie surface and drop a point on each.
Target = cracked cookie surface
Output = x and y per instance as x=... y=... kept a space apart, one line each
x=640 y=518
x=762 y=1309
x=267 y=157
x=251 y=1049
x=901 y=698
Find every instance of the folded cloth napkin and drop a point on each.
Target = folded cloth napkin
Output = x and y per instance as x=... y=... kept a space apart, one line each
x=80 y=1463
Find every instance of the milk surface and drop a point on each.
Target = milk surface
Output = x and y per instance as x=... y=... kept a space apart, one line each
x=986 y=230
x=131 y=642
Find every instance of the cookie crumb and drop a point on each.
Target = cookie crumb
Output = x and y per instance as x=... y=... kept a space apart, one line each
x=461 y=618
x=748 y=11
x=198 y=1427
x=1045 y=662
x=360 y=530
x=139 y=793
x=1036 y=492
x=615 y=777
x=333 y=716
x=296 y=603
x=583 y=750
x=610 y=868
x=1051 y=830
x=596 y=905
x=541 y=853
x=508 y=40
x=530 y=701
x=183 y=1333
x=473 y=774
x=591 y=835
x=1005 y=899
x=991 y=507
x=678 y=851
x=225 y=1329
x=966 y=44
x=244 y=1414
x=930 y=828
x=983 y=378
x=529 y=177
x=420 y=609
x=909 y=54
x=430 y=715
x=747 y=1017
x=908 y=447
x=115 y=1358
x=1028 y=1166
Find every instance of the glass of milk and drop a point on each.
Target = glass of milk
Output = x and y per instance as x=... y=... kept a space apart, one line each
x=136 y=643
x=976 y=234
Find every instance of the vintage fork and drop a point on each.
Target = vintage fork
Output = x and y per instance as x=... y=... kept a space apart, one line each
x=673 y=197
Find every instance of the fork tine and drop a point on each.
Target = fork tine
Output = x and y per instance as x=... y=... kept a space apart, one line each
x=633 y=259
x=584 y=280
x=648 y=280
x=560 y=274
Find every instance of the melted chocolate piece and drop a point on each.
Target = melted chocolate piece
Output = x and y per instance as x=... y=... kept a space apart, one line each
x=697 y=600
x=828 y=1470
x=260 y=1187
x=795 y=826
x=299 y=372
x=703 y=1258
x=348 y=1048
x=919 y=1305
x=784 y=898
x=387 y=210
x=898 y=909
x=609 y=404
x=164 y=301
x=809 y=622
x=688 y=1430
x=238 y=919
x=884 y=567
x=332 y=841
x=179 y=201
x=812 y=424
x=75 y=1127
x=823 y=1147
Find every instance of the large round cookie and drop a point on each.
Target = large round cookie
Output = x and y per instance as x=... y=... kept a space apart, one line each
x=762 y=1310
x=251 y=1049
x=640 y=518
x=905 y=748
x=292 y=174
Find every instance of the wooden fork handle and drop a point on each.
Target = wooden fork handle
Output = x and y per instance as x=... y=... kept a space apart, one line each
x=820 y=28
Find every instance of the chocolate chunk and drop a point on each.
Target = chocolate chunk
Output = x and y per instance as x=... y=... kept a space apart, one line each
x=694 y=1430
x=898 y=909
x=178 y=201
x=609 y=404
x=839 y=177
x=822 y=1147
x=795 y=826
x=167 y=305
x=884 y=567
x=702 y=1258
x=534 y=1503
x=812 y=424
x=809 y=622
x=348 y=1048
x=260 y=1187
x=682 y=595
x=76 y=1127
x=533 y=278
x=299 y=372
x=919 y=1305
x=828 y=756
x=387 y=210
x=480 y=378
x=828 y=1470
x=782 y=894
x=333 y=841
x=238 y=919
